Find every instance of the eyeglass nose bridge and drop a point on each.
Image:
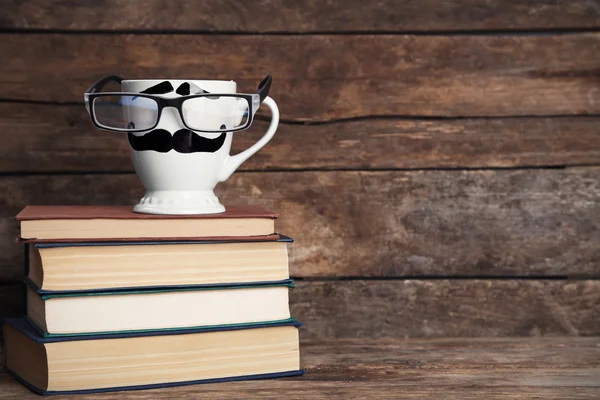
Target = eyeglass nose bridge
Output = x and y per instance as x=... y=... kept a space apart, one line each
x=170 y=118
x=171 y=102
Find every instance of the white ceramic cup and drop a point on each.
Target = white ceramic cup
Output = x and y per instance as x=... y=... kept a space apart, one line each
x=183 y=183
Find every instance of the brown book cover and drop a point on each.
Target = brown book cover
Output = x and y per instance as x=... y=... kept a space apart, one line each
x=257 y=238
x=30 y=213
x=49 y=213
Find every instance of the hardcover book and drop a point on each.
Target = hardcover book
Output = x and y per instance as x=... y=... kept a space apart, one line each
x=84 y=313
x=95 y=223
x=78 y=365
x=110 y=265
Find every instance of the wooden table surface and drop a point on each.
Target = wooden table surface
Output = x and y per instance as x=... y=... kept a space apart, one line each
x=466 y=368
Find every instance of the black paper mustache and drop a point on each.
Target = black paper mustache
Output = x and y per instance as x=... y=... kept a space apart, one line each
x=182 y=141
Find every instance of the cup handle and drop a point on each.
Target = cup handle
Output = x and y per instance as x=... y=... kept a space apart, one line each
x=233 y=162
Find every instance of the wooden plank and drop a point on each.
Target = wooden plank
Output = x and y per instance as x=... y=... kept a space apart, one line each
x=47 y=138
x=447 y=308
x=385 y=223
x=439 y=354
x=326 y=77
x=553 y=368
x=438 y=308
x=299 y=16
x=499 y=368
x=413 y=386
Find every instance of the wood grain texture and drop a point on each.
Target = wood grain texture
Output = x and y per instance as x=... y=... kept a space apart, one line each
x=382 y=224
x=326 y=77
x=300 y=389
x=299 y=16
x=50 y=138
x=435 y=308
x=454 y=369
x=447 y=308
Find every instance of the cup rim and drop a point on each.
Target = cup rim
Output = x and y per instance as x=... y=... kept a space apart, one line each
x=178 y=79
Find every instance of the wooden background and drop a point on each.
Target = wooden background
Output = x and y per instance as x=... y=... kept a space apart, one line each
x=438 y=162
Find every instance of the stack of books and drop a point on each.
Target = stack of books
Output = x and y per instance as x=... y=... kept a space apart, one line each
x=118 y=300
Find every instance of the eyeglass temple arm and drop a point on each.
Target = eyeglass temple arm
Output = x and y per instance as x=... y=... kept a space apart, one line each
x=96 y=87
x=263 y=88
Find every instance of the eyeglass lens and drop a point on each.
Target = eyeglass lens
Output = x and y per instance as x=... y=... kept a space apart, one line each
x=125 y=112
x=214 y=113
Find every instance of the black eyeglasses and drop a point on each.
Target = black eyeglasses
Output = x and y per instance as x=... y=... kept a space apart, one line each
x=199 y=110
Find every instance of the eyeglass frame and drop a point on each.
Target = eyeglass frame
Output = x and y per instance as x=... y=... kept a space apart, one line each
x=254 y=101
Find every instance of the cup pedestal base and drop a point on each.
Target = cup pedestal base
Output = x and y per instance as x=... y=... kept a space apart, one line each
x=179 y=202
